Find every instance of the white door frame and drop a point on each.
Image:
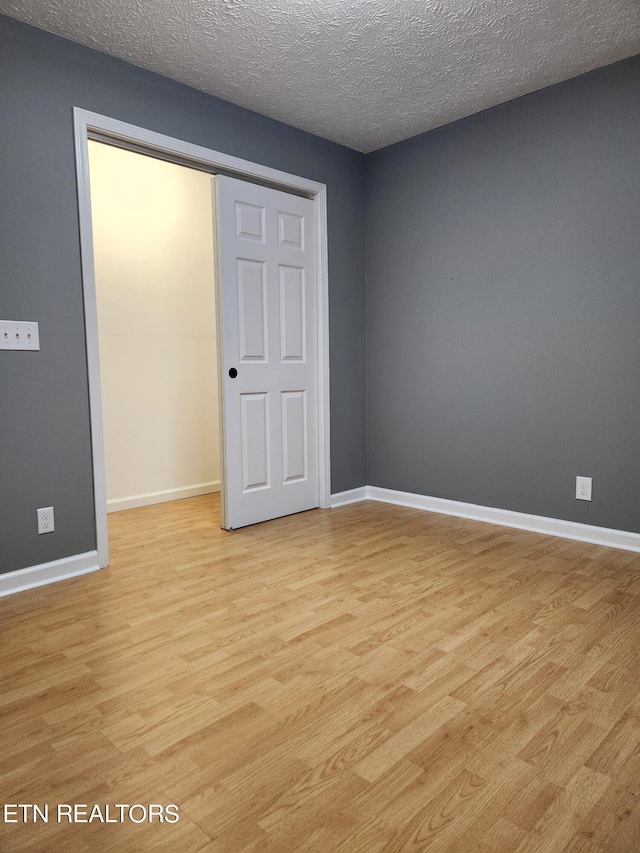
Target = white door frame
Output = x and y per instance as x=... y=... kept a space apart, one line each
x=86 y=122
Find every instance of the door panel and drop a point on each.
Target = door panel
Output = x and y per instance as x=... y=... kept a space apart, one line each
x=291 y=230
x=252 y=310
x=255 y=424
x=292 y=319
x=249 y=221
x=294 y=436
x=267 y=295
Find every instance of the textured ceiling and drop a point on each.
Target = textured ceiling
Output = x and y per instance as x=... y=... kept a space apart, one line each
x=364 y=73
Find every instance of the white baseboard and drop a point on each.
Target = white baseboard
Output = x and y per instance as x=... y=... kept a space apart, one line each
x=81 y=564
x=350 y=497
x=135 y=501
x=45 y=573
x=623 y=539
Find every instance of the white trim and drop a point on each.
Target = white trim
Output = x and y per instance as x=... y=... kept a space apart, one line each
x=324 y=423
x=611 y=538
x=161 y=497
x=86 y=121
x=91 y=338
x=122 y=130
x=350 y=497
x=46 y=573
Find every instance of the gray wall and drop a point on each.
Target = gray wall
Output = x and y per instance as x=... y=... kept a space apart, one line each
x=503 y=305
x=503 y=291
x=45 y=456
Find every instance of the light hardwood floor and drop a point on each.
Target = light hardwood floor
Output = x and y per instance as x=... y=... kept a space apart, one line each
x=364 y=679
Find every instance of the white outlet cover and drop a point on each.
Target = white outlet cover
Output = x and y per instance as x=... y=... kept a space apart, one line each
x=46 y=521
x=583 y=488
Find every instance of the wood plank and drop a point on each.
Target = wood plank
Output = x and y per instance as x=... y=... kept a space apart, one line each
x=362 y=679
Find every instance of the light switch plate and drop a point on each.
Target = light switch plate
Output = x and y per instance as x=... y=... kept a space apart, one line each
x=19 y=334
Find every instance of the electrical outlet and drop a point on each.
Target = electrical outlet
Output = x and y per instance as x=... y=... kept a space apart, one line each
x=583 y=488
x=45 y=520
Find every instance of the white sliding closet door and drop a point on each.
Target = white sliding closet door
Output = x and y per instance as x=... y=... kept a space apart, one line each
x=268 y=322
